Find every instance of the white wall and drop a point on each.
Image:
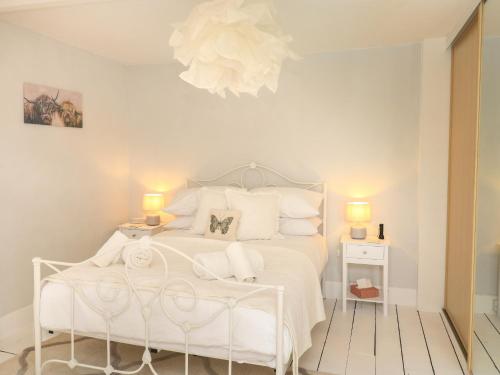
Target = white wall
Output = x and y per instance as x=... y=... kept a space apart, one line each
x=362 y=120
x=433 y=173
x=62 y=190
x=350 y=118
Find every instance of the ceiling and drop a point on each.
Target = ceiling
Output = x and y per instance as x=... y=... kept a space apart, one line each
x=136 y=32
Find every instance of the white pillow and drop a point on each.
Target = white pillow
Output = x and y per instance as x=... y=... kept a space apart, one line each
x=209 y=199
x=296 y=203
x=259 y=214
x=181 y=222
x=300 y=227
x=223 y=225
x=184 y=202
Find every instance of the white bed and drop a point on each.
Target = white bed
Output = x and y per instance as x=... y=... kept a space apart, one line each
x=187 y=314
x=254 y=339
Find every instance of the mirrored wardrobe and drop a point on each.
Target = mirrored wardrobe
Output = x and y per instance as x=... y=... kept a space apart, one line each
x=473 y=229
x=486 y=320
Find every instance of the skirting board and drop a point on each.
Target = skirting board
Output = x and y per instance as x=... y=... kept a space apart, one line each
x=15 y=321
x=397 y=296
x=19 y=324
x=486 y=304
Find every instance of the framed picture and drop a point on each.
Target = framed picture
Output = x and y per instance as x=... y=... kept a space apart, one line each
x=44 y=105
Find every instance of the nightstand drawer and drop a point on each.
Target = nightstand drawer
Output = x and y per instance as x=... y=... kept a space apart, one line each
x=134 y=233
x=365 y=251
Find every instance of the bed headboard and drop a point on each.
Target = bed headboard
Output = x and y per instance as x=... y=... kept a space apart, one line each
x=254 y=175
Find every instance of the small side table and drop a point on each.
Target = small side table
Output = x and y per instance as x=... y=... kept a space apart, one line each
x=370 y=251
x=136 y=231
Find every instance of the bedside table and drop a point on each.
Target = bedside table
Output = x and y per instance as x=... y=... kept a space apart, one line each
x=370 y=251
x=140 y=230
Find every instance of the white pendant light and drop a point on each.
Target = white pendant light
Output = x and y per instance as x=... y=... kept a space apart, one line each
x=231 y=44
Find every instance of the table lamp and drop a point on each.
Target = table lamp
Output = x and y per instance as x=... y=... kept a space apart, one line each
x=358 y=213
x=152 y=204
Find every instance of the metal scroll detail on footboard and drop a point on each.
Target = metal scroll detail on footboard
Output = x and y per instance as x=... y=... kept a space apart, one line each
x=158 y=295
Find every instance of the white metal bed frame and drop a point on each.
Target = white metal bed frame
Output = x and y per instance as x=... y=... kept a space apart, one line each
x=160 y=294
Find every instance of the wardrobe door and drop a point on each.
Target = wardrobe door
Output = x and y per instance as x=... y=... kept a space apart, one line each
x=464 y=116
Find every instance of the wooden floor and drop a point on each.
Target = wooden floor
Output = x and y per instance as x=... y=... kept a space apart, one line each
x=486 y=345
x=362 y=341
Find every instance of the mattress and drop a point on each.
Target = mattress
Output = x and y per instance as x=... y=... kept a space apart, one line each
x=254 y=332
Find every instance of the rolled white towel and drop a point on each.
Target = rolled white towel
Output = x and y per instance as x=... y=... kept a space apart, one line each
x=225 y=266
x=216 y=262
x=110 y=252
x=138 y=255
x=257 y=260
x=246 y=264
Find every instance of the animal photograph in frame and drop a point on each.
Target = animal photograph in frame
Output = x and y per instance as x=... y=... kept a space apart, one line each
x=44 y=105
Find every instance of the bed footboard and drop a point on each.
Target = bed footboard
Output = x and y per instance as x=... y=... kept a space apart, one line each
x=158 y=297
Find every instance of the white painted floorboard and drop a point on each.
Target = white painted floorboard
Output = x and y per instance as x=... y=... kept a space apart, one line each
x=489 y=342
x=361 y=357
x=444 y=358
x=488 y=336
x=311 y=358
x=495 y=321
x=362 y=341
x=336 y=349
x=388 y=358
x=456 y=346
x=482 y=363
x=415 y=355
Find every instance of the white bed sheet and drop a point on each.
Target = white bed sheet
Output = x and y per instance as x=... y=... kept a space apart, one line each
x=254 y=330
x=313 y=246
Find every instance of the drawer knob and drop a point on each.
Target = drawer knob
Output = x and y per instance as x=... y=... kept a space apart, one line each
x=134 y=235
x=364 y=252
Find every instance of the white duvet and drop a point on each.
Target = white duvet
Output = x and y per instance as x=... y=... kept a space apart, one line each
x=295 y=263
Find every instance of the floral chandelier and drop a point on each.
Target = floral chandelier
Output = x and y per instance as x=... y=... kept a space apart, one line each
x=231 y=44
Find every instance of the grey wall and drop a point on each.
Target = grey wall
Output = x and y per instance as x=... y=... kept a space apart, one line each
x=348 y=118
x=62 y=190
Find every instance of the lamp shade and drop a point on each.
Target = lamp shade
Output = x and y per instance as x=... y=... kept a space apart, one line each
x=233 y=45
x=358 y=212
x=153 y=202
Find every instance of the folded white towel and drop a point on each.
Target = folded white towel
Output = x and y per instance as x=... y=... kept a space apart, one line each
x=216 y=262
x=243 y=263
x=257 y=261
x=138 y=255
x=109 y=253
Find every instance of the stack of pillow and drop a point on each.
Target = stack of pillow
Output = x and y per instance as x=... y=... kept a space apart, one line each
x=231 y=213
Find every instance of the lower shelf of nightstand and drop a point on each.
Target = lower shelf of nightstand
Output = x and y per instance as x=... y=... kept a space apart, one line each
x=352 y=297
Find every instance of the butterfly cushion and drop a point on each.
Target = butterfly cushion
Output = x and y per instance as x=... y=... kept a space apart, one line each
x=223 y=224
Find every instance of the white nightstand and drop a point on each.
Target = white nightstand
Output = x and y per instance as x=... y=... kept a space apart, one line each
x=370 y=251
x=140 y=230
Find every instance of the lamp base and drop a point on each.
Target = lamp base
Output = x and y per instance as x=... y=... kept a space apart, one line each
x=153 y=220
x=358 y=233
